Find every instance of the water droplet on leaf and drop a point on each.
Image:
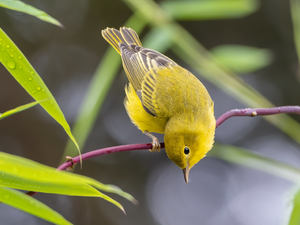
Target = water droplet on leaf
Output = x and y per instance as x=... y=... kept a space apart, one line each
x=11 y=65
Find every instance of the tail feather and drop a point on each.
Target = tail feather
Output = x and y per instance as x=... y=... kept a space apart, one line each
x=130 y=36
x=125 y=35
x=113 y=37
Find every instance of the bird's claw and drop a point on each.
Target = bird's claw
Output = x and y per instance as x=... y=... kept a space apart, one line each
x=155 y=142
x=155 y=145
x=70 y=159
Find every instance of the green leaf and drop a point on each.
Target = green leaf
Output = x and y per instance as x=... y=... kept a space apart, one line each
x=30 y=205
x=244 y=157
x=158 y=38
x=247 y=158
x=109 y=188
x=20 y=68
x=210 y=9
x=19 y=109
x=295 y=215
x=295 y=11
x=24 y=174
x=242 y=59
x=22 y=7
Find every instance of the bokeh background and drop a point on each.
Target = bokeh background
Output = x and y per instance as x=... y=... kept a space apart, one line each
x=220 y=192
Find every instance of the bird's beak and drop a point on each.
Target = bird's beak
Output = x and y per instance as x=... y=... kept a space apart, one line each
x=186 y=172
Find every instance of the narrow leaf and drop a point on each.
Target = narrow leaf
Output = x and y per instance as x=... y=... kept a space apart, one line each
x=243 y=157
x=30 y=205
x=19 y=109
x=242 y=59
x=246 y=158
x=295 y=11
x=22 y=7
x=158 y=38
x=109 y=188
x=295 y=215
x=20 y=68
x=209 y=9
x=24 y=174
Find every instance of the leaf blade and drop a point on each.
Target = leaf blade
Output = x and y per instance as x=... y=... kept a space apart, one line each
x=244 y=157
x=30 y=205
x=295 y=215
x=20 y=68
x=242 y=59
x=210 y=9
x=28 y=9
x=19 y=109
x=24 y=174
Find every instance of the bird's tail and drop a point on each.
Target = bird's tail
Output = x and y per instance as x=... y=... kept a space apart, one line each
x=125 y=35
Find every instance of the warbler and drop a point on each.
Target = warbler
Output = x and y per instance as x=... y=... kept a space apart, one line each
x=162 y=97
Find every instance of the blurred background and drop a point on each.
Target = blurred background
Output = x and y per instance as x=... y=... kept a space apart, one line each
x=220 y=192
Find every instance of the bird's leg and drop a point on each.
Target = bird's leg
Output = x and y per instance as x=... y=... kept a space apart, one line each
x=155 y=142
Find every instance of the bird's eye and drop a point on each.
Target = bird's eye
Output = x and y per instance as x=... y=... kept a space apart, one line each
x=186 y=150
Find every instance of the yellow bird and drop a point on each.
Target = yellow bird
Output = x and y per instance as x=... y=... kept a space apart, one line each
x=163 y=97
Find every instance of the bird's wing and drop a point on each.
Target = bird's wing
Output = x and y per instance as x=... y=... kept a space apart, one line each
x=139 y=63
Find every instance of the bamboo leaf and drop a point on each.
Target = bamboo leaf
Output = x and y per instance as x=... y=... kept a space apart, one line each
x=20 y=68
x=246 y=158
x=242 y=59
x=19 y=109
x=295 y=11
x=159 y=38
x=28 y=9
x=24 y=174
x=30 y=205
x=295 y=215
x=210 y=9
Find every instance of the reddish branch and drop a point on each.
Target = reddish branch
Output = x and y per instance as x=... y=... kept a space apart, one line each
x=257 y=112
x=220 y=120
x=105 y=151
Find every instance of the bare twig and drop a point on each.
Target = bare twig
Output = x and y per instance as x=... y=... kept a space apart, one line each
x=257 y=112
x=105 y=151
x=220 y=120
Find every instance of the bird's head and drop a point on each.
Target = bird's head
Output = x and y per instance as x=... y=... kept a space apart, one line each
x=188 y=146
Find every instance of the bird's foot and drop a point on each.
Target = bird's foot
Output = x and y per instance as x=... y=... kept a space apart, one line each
x=70 y=159
x=155 y=142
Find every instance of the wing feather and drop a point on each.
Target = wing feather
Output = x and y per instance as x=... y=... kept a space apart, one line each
x=139 y=64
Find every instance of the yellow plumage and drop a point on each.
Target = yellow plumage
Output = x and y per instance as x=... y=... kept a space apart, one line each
x=163 y=97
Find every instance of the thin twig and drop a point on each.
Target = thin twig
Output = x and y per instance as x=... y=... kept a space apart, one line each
x=220 y=120
x=257 y=112
x=105 y=151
